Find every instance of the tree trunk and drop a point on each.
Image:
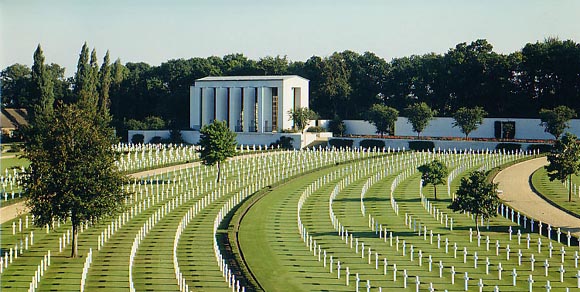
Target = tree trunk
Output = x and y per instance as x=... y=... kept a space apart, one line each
x=219 y=172
x=435 y=191
x=569 y=188
x=477 y=223
x=75 y=234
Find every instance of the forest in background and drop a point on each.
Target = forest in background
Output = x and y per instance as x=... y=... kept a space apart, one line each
x=343 y=85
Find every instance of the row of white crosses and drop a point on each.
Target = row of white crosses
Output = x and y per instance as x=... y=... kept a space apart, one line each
x=259 y=181
x=149 y=157
x=108 y=232
x=10 y=182
x=227 y=273
x=522 y=220
x=65 y=238
x=561 y=270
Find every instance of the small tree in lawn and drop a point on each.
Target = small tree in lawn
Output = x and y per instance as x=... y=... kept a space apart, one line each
x=564 y=161
x=72 y=173
x=556 y=120
x=419 y=115
x=383 y=118
x=468 y=119
x=476 y=196
x=300 y=117
x=433 y=173
x=218 y=143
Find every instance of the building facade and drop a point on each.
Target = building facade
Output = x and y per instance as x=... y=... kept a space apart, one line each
x=257 y=104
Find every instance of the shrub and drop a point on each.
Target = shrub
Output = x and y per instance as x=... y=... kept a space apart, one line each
x=138 y=139
x=340 y=143
x=372 y=143
x=508 y=146
x=316 y=129
x=284 y=142
x=543 y=148
x=421 y=145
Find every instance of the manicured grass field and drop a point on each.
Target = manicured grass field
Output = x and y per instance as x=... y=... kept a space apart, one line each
x=153 y=268
x=281 y=261
x=555 y=191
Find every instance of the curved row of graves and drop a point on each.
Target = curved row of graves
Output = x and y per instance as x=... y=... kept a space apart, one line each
x=165 y=239
x=370 y=226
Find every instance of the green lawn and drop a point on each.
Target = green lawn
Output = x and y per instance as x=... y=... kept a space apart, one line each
x=269 y=238
x=555 y=191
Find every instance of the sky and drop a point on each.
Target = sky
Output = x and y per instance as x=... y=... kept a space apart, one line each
x=157 y=31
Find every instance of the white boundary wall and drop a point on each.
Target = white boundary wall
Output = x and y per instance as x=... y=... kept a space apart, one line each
x=264 y=139
x=443 y=127
x=439 y=144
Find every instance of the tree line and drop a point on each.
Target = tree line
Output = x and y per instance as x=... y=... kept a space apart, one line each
x=344 y=85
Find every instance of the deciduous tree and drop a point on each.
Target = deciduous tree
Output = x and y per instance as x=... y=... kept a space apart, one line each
x=468 y=119
x=476 y=196
x=383 y=118
x=433 y=173
x=72 y=173
x=300 y=117
x=218 y=143
x=564 y=161
x=420 y=115
x=556 y=120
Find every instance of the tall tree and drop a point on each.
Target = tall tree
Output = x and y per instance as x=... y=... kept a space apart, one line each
x=72 y=173
x=105 y=85
x=476 y=196
x=218 y=143
x=42 y=88
x=83 y=71
x=564 y=161
x=335 y=85
x=468 y=119
x=383 y=118
x=419 y=115
x=556 y=120
x=433 y=173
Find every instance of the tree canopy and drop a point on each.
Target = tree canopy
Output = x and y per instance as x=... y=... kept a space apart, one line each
x=434 y=173
x=564 y=160
x=218 y=143
x=556 y=120
x=476 y=196
x=468 y=119
x=72 y=174
x=420 y=115
x=383 y=118
x=543 y=74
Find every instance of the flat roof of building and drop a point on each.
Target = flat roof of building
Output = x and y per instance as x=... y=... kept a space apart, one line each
x=249 y=78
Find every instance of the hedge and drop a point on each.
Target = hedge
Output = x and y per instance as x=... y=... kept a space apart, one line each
x=372 y=143
x=421 y=145
x=340 y=143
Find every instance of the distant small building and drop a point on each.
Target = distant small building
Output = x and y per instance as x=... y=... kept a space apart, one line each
x=12 y=119
x=247 y=103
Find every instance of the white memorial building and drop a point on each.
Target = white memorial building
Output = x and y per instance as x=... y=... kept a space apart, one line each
x=258 y=104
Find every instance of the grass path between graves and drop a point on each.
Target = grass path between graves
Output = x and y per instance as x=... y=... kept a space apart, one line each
x=555 y=192
x=272 y=246
x=517 y=192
